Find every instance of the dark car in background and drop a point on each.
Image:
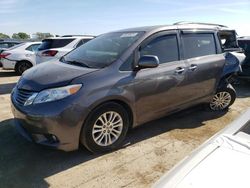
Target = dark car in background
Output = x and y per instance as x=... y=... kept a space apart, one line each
x=120 y=80
x=7 y=44
x=244 y=43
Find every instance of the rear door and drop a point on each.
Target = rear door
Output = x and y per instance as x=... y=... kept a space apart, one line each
x=162 y=89
x=205 y=63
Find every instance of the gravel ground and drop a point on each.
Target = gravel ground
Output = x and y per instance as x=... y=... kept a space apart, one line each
x=150 y=150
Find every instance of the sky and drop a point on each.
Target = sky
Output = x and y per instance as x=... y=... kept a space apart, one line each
x=99 y=16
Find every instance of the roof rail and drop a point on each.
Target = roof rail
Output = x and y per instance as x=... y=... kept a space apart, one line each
x=77 y=36
x=199 y=23
x=244 y=37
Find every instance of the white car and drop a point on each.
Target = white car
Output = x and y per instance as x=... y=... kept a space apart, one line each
x=56 y=47
x=222 y=161
x=20 y=57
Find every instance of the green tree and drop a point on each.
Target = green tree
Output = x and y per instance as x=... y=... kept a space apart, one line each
x=41 y=36
x=20 y=35
x=4 y=36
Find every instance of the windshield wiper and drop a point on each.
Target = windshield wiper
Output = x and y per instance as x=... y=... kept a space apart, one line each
x=77 y=63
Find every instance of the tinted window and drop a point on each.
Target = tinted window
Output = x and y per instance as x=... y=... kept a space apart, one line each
x=164 y=47
x=127 y=65
x=196 y=45
x=54 y=43
x=103 y=50
x=16 y=46
x=245 y=45
x=12 y=44
x=4 y=45
x=33 y=47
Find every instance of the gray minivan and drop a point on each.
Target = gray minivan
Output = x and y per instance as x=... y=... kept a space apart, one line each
x=120 y=80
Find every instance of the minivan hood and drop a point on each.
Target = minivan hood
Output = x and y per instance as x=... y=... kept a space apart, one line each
x=50 y=75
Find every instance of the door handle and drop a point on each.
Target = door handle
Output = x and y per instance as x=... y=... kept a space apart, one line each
x=179 y=70
x=193 y=67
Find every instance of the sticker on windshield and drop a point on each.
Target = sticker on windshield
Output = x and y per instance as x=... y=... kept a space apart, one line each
x=128 y=35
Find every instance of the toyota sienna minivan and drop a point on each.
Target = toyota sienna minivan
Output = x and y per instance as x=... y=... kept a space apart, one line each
x=120 y=80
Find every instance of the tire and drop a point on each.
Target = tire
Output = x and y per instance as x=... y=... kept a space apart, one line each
x=223 y=98
x=95 y=128
x=22 y=66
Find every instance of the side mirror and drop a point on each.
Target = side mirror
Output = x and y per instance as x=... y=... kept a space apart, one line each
x=148 y=61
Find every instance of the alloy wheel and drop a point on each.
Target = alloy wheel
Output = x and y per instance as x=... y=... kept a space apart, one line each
x=220 y=101
x=107 y=128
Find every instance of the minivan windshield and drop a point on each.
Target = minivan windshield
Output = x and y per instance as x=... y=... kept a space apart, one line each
x=103 y=50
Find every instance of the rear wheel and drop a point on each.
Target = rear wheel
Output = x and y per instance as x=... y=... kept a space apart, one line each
x=105 y=128
x=22 y=66
x=223 y=98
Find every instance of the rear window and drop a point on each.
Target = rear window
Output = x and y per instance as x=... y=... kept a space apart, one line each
x=54 y=43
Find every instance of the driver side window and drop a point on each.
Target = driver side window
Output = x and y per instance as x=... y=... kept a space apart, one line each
x=164 y=47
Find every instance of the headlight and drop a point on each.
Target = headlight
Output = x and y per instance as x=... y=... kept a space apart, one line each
x=52 y=94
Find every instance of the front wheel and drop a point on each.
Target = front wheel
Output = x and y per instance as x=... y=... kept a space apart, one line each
x=223 y=98
x=105 y=128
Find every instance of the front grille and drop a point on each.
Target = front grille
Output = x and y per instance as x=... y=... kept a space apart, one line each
x=20 y=96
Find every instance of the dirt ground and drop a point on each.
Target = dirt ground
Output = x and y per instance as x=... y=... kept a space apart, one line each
x=150 y=150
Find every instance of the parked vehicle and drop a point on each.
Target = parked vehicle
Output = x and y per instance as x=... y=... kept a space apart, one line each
x=20 y=57
x=244 y=43
x=222 y=161
x=6 y=44
x=120 y=80
x=55 y=48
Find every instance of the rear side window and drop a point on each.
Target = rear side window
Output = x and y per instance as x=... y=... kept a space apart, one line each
x=33 y=47
x=196 y=45
x=81 y=42
x=54 y=43
x=12 y=44
x=164 y=47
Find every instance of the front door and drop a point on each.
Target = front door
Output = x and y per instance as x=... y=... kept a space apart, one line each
x=162 y=89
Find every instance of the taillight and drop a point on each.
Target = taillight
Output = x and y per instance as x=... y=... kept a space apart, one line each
x=4 y=55
x=49 y=53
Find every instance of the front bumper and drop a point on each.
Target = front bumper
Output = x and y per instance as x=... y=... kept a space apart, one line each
x=60 y=130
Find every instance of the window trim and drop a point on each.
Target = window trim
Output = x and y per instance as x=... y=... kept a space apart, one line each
x=211 y=32
x=136 y=52
x=153 y=37
x=31 y=47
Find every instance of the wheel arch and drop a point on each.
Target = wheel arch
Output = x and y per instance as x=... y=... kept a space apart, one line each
x=23 y=60
x=121 y=102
